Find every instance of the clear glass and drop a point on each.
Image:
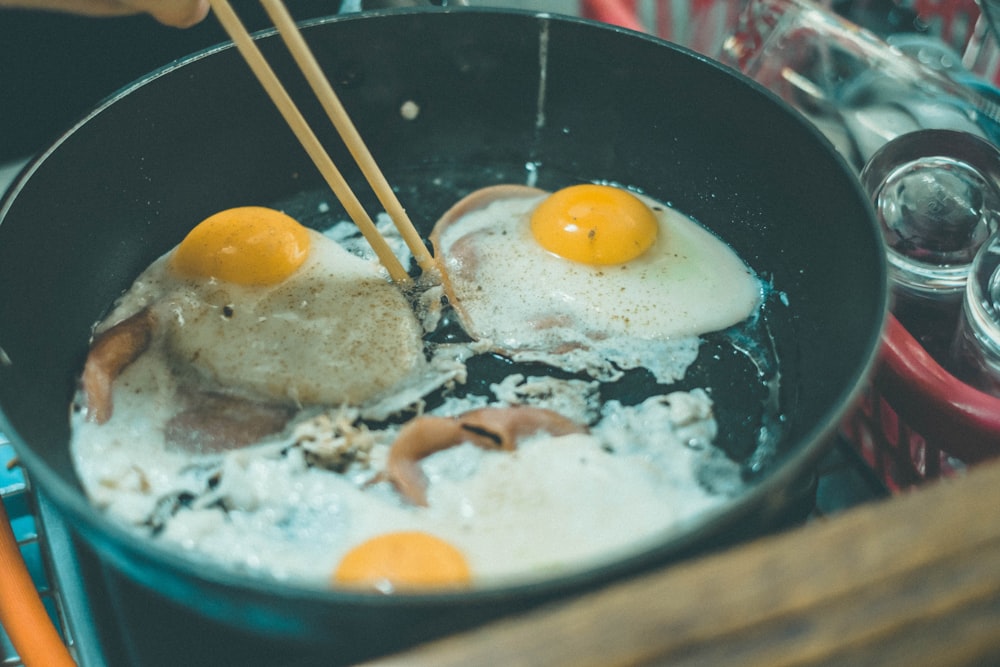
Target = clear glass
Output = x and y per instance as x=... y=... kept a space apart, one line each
x=856 y=88
x=975 y=354
x=935 y=214
x=980 y=54
x=936 y=199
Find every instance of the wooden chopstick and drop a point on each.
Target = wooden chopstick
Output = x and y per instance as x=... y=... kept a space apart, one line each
x=281 y=99
x=328 y=98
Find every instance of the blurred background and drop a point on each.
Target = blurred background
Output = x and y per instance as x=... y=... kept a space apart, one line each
x=54 y=67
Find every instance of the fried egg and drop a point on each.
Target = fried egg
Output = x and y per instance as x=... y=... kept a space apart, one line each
x=494 y=517
x=590 y=267
x=257 y=304
x=403 y=560
x=221 y=341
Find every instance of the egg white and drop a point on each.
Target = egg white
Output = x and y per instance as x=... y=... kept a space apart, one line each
x=533 y=305
x=334 y=332
x=555 y=505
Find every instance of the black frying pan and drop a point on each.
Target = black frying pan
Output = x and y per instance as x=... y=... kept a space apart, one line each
x=129 y=180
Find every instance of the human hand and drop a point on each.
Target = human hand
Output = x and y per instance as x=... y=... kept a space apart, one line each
x=176 y=13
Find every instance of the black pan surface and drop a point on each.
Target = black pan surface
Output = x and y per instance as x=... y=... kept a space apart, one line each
x=503 y=97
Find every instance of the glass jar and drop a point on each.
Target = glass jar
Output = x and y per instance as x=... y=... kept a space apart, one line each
x=975 y=352
x=936 y=199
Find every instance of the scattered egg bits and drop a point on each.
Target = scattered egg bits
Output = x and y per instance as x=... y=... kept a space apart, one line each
x=587 y=267
x=403 y=561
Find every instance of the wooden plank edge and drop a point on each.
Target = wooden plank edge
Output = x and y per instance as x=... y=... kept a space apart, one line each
x=826 y=571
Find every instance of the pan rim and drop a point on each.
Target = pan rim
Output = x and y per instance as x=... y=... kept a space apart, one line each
x=89 y=519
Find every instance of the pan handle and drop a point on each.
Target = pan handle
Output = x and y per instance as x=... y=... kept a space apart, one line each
x=959 y=419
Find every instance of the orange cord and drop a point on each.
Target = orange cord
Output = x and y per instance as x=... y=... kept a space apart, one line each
x=22 y=614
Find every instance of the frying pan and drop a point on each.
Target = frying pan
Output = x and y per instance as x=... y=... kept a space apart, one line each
x=503 y=96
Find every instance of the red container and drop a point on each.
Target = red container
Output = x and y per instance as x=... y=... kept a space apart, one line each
x=916 y=421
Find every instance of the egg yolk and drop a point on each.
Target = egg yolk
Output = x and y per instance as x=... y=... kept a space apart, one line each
x=249 y=245
x=594 y=224
x=403 y=560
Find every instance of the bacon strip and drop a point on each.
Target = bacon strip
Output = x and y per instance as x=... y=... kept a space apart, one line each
x=213 y=423
x=110 y=354
x=489 y=428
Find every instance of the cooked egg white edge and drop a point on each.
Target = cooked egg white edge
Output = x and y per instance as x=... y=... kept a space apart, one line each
x=688 y=283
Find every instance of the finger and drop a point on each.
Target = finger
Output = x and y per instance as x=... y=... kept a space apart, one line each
x=178 y=14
